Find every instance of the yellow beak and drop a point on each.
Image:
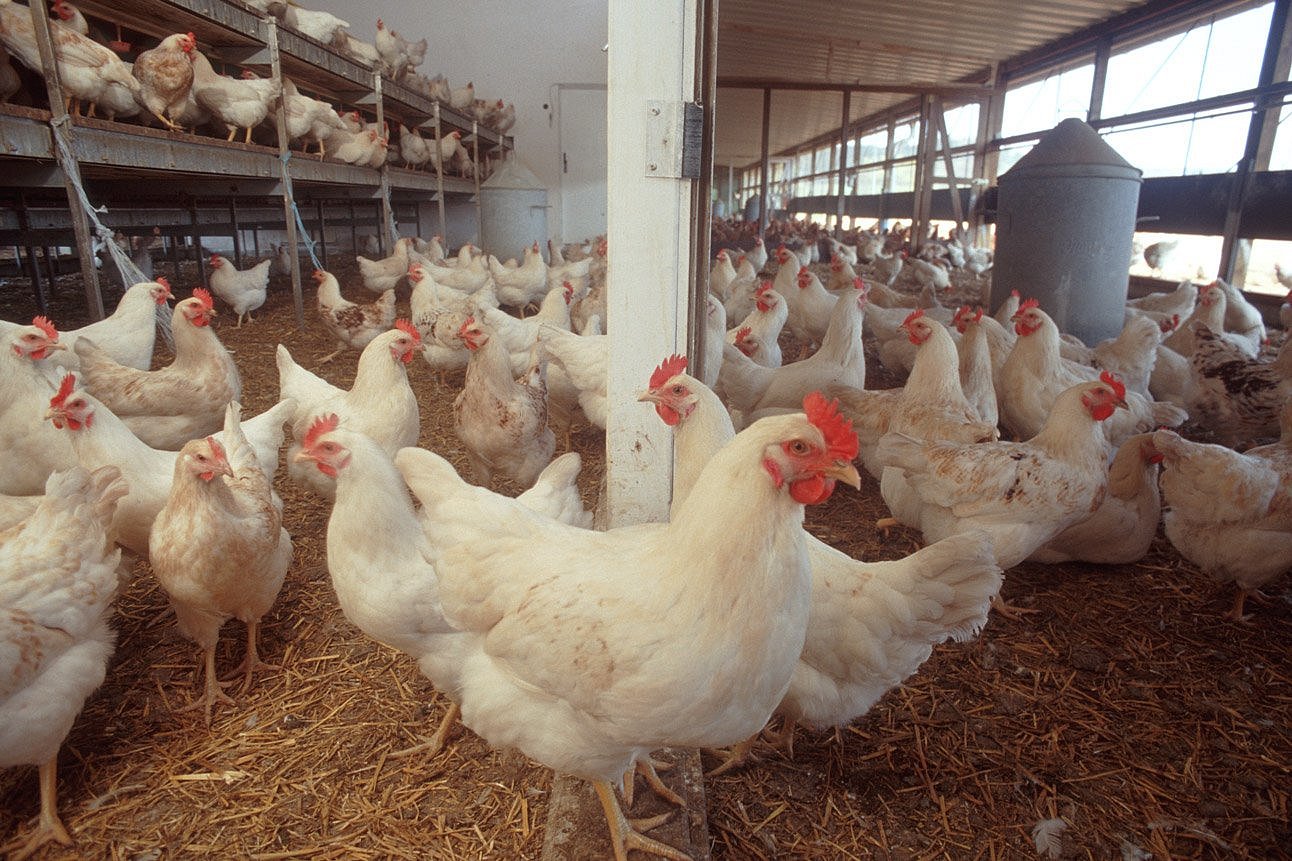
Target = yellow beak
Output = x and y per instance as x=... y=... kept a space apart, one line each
x=844 y=471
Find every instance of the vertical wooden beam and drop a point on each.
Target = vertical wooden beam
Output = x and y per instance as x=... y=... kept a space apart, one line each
x=475 y=158
x=843 y=163
x=33 y=271
x=439 y=175
x=388 y=227
x=648 y=223
x=284 y=158
x=887 y=184
x=923 y=174
x=764 y=211
x=237 y=234
x=318 y=209
x=705 y=94
x=941 y=118
x=61 y=124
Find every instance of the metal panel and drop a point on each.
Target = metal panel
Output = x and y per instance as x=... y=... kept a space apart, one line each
x=815 y=41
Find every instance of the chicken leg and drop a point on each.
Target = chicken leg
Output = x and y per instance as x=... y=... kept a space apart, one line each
x=736 y=755
x=622 y=835
x=51 y=827
x=649 y=770
x=214 y=691
x=251 y=660
x=167 y=122
x=435 y=743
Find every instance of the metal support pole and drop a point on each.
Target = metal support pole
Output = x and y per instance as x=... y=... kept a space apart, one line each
x=764 y=209
x=843 y=164
x=59 y=119
x=354 y=233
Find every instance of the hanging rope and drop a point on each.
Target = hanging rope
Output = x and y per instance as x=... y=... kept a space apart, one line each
x=301 y=232
x=130 y=273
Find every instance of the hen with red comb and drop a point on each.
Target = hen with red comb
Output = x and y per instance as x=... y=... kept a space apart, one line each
x=182 y=401
x=721 y=651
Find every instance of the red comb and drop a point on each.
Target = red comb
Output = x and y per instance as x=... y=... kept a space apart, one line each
x=204 y=296
x=569 y=291
x=64 y=389
x=914 y=315
x=840 y=439
x=43 y=324
x=742 y=333
x=763 y=289
x=164 y=281
x=1118 y=387
x=978 y=314
x=858 y=284
x=667 y=369
x=961 y=312
x=1029 y=303
x=1014 y=293
x=409 y=329
x=466 y=324
x=321 y=425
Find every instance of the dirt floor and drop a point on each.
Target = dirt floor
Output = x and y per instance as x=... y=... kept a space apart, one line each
x=1124 y=704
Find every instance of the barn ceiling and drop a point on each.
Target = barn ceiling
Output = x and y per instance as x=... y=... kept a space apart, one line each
x=901 y=42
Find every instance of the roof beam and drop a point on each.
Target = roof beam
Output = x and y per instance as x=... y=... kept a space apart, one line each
x=954 y=88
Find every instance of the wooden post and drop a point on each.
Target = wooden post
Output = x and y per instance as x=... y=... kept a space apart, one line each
x=843 y=164
x=284 y=156
x=387 y=216
x=439 y=176
x=764 y=187
x=648 y=225
x=237 y=234
x=61 y=124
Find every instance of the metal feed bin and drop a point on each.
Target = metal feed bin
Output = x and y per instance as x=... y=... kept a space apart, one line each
x=1065 y=223
x=513 y=211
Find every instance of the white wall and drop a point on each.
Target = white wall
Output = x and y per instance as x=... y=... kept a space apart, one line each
x=512 y=51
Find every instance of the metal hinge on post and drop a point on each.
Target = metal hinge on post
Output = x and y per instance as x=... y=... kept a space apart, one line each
x=674 y=131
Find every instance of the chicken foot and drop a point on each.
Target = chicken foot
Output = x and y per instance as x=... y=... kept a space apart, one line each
x=735 y=756
x=214 y=690
x=51 y=827
x=435 y=743
x=622 y=834
x=649 y=769
x=251 y=660
x=1009 y=611
x=168 y=122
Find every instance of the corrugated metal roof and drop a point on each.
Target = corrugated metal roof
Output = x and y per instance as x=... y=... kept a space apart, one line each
x=861 y=41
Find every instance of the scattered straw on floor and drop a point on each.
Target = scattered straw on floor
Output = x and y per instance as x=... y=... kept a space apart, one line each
x=1124 y=704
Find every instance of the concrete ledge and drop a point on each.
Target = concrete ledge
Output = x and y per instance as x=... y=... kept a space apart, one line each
x=576 y=826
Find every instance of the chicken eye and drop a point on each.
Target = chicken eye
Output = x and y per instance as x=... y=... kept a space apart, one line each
x=677 y=390
x=799 y=447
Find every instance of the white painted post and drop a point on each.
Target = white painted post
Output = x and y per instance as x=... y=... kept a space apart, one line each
x=651 y=61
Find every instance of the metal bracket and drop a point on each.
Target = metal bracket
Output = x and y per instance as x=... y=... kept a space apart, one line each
x=673 y=137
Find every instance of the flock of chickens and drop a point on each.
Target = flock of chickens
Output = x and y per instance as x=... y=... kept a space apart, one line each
x=176 y=86
x=587 y=649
